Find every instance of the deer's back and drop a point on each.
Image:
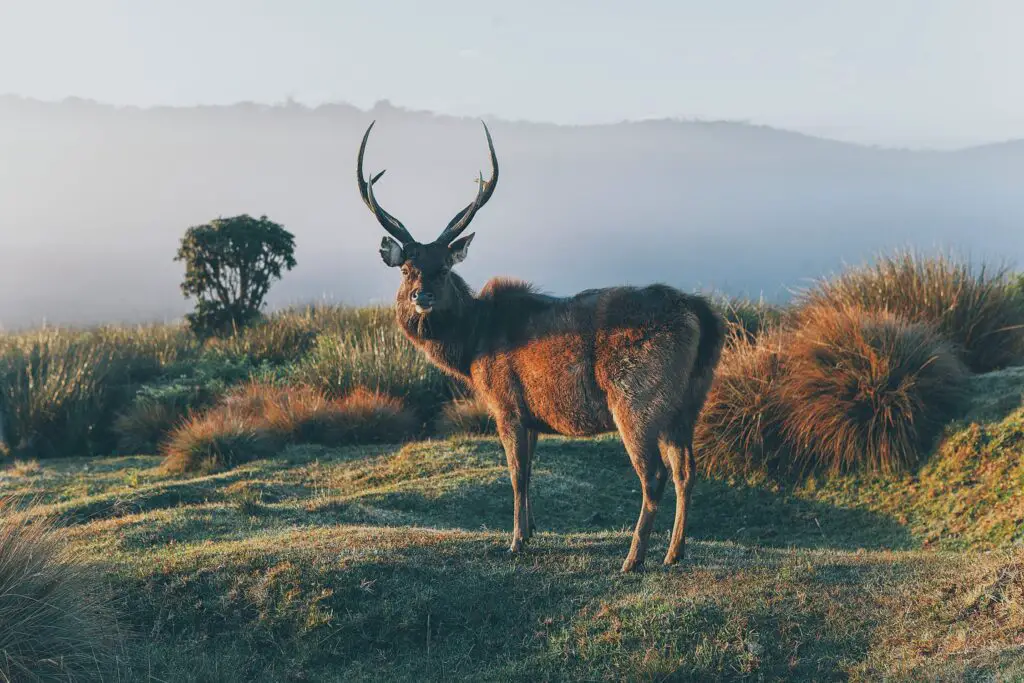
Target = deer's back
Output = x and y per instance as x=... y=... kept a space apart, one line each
x=566 y=364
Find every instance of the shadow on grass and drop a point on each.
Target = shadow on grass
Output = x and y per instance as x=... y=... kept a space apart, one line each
x=577 y=487
x=419 y=605
x=590 y=486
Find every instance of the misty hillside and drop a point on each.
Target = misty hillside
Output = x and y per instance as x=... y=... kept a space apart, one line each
x=93 y=200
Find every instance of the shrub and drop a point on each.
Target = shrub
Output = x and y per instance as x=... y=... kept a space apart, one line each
x=230 y=264
x=740 y=429
x=465 y=416
x=866 y=390
x=975 y=308
x=56 y=619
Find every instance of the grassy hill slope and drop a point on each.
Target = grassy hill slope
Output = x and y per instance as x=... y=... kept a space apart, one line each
x=389 y=562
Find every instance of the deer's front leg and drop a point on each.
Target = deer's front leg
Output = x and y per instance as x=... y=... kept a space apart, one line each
x=517 y=451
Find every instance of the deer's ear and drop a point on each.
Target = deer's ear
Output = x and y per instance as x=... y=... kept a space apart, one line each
x=391 y=252
x=458 y=249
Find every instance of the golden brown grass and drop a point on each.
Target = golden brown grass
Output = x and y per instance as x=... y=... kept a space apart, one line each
x=258 y=419
x=215 y=440
x=465 y=416
x=26 y=468
x=866 y=390
x=56 y=619
x=740 y=427
x=978 y=309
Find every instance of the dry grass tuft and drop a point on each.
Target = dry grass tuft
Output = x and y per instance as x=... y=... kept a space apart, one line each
x=740 y=427
x=867 y=390
x=299 y=414
x=258 y=419
x=56 y=619
x=26 y=468
x=978 y=309
x=465 y=416
x=215 y=440
x=366 y=416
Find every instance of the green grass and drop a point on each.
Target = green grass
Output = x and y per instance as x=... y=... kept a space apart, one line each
x=97 y=391
x=373 y=562
x=968 y=494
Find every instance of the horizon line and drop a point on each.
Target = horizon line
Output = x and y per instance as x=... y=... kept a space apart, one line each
x=289 y=103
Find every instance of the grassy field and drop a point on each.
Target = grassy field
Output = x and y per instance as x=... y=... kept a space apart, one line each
x=238 y=510
x=377 y=562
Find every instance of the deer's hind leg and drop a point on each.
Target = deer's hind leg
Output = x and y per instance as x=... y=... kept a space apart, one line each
x=531 y=446
x=677 y=451
x=646 y=459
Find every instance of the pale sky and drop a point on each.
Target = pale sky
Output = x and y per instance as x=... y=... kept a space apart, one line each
x=939 y=73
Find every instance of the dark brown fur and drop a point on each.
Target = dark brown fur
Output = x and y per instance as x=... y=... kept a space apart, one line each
x=636 y=360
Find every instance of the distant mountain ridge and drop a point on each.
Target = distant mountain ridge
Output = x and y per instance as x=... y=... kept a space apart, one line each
x=93 y=199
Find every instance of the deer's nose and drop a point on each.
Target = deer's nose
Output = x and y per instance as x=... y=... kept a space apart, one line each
x=422 y=298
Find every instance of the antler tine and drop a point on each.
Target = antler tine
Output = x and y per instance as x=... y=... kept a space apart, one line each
x=387 y=221
x=463 y=218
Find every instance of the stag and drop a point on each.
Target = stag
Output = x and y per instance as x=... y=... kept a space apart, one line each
x=639 y=360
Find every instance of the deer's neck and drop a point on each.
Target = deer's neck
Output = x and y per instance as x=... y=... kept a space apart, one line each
x=449 y=337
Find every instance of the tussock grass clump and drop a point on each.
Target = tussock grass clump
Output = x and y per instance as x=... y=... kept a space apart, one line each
x=216 y=440
x=978 y=309
x=56 y=619
x=465 y=416
x=866 y=390
x=366 y=416
x=740 y=430
x=258 y=419
x=53 y=387
x=304 y=415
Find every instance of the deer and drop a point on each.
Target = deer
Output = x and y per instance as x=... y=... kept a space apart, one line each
x=636 y=359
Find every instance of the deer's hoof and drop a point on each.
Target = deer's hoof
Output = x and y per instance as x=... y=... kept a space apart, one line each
x=631 y=566
x=517 y=546
x=673 y=558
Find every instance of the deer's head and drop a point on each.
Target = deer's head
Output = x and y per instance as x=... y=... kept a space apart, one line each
x=426 y=268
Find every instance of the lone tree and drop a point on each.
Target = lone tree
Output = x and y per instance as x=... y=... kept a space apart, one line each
x=230 y=264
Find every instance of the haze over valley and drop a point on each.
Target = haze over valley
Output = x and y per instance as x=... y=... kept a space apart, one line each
x=94 y=198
